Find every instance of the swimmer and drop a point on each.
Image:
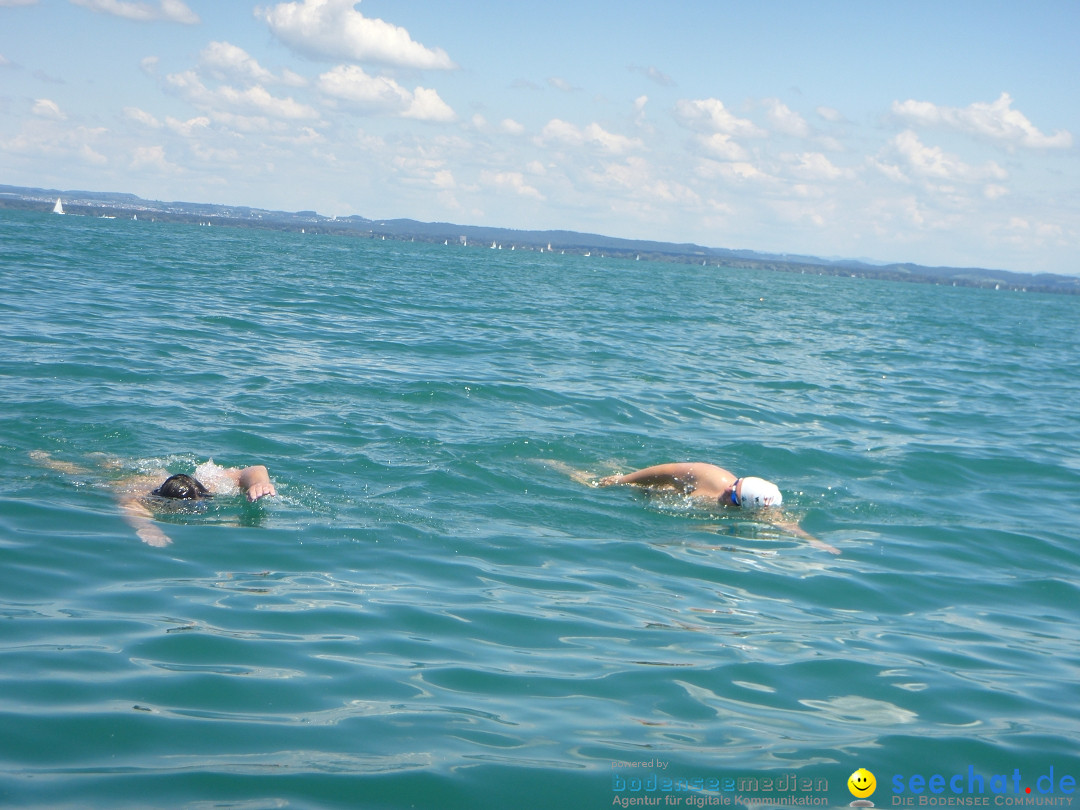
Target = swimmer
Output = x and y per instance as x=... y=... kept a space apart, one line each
x=711 y=485
x=700 y=480
x=136 y=495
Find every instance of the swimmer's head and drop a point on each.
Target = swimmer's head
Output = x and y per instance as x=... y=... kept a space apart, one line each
x=755 y=493
x=182 y=486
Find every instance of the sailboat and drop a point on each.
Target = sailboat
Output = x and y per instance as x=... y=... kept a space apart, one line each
x=59 y=207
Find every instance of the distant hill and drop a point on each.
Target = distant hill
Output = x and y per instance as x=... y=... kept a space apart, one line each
x=94 y=203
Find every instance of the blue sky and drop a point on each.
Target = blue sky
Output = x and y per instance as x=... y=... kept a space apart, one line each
x=943 y=133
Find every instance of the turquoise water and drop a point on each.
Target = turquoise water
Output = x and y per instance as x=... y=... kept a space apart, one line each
x=430 y=615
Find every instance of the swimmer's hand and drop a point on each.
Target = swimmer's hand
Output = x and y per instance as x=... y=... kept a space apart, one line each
x=141 y=520
x=255 y=482
x=262 y=489
x=609 y=481
x=797 y=531
x=153 y=536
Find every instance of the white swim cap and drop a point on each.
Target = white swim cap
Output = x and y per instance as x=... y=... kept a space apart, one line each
x=754 y=493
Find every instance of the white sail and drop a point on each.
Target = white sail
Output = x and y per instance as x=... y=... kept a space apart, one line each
x=59 y=207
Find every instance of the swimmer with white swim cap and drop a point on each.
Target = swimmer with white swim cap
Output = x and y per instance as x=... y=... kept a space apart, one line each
x=714 y=485
x=700 y=480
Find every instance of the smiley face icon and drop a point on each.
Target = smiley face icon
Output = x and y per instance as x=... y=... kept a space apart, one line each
x=862 y=783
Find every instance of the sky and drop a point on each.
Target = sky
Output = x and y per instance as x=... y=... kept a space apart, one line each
x=940 y=133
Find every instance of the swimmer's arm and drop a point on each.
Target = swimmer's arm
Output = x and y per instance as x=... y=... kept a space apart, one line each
x=795 y=530
x=581 y=476
x=679 y=475
x=254 y=481
x=45 y=459
x=141 y=520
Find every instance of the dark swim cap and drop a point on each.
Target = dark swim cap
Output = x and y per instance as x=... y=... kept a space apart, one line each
x=182 y=486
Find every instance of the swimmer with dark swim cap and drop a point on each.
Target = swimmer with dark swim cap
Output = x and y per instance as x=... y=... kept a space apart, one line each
x=182 y=486
x=138 y=509
x=254 y=482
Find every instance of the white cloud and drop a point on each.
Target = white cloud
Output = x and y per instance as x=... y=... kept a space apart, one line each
x=259 y=100
x=226 y=101
x=141 y=117
x=443 y=179
x=382 y=95
x=292 y=78
x=933 y=163
x=562 y=84
x=1032 y=235
x=997 y=121
x=511 y=127
x=55 y=143
x=306 y=137
x=722 y=146
x=609 y=141
x=91 y=156
x=167 y=10
x=563 y=131
x=785 y=120
x=225 y=60
x=47 y=108
x=427 y=106
x=420 y=163
x=334 y=29
x=221 y=157
x=830 y=115
x=655 y=74
x=639 y=109
x=889 y=170
x=352 y=84
x=634 y=173
x=741 y=171
x=560 y=131
x=187 y=128
x=633 y=189
x=731 y=171
x=510 y=181
x=371 y=143
x=711 y=116
x=152 y=157
x=815 y=166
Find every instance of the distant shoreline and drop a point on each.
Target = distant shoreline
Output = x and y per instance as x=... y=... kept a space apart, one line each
x=104 y=204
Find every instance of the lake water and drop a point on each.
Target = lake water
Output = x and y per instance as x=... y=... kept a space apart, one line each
x=432 y=615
